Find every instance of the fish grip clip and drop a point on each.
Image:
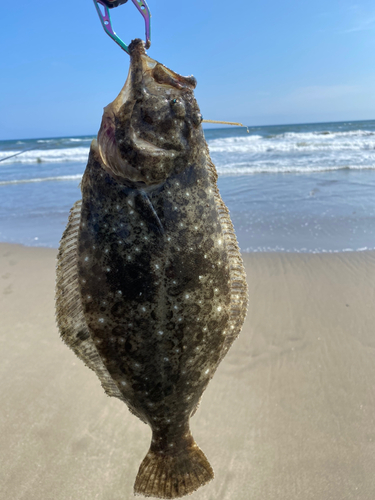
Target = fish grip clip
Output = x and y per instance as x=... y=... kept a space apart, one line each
x=105 y=19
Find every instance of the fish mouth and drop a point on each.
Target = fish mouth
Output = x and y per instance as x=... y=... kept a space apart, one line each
x=146 y=128
x=162 y=75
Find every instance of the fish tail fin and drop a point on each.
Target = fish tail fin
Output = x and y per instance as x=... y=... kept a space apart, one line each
x=166 y=475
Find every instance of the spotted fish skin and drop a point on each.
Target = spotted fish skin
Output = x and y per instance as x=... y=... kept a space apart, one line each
x=157 y=268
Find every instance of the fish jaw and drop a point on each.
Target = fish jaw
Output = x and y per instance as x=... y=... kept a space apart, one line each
x=153 y=127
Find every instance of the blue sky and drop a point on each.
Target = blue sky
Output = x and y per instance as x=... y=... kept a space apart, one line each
x=260 y=62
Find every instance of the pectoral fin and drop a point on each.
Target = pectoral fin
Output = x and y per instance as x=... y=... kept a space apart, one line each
x=146 y=210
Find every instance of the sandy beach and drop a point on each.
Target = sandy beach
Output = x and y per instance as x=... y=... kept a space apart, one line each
x=289 y=415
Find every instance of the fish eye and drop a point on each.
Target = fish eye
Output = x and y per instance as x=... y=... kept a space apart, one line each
x=197 y=119
x=178 y=108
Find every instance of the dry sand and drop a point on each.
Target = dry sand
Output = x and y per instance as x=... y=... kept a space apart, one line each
x=289 y=415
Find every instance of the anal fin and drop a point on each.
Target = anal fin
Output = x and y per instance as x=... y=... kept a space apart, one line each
x=69 y=312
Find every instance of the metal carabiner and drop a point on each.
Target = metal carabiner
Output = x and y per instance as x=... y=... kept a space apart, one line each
x=106 y=19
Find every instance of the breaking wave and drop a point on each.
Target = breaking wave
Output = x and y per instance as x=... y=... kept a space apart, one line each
x=76 y=154
x=289 y=142
x=42 y=179
x=251 y=169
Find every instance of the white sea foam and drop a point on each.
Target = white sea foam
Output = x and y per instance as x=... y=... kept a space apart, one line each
x=290 y=142
x=308 y=135
x=304 y=250
x=43 y=179
x=78 y=154
x=256 y=168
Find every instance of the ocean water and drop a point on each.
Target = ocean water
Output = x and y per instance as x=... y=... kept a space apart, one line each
x=294 y=188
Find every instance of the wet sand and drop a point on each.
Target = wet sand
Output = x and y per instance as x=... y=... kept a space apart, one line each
x=289 y=415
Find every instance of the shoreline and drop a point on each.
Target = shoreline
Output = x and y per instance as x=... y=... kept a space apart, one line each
x=243 y=252
x=289 y=414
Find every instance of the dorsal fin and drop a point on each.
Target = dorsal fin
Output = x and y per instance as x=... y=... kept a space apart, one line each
x=238 y=283
x=69 y=312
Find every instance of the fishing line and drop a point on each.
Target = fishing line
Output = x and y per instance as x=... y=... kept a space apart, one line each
x=19 y=153
x=41 y=147
x=28 y=149
x=227 y=123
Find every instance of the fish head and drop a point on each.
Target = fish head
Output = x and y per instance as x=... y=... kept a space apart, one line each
x=153 y=128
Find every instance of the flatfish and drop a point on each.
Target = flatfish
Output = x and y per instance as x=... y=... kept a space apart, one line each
x=151 y=289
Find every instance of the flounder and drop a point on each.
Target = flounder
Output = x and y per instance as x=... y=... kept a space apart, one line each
x=151 y=289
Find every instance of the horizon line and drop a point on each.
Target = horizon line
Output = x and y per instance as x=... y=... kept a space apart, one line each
x=204 y=128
